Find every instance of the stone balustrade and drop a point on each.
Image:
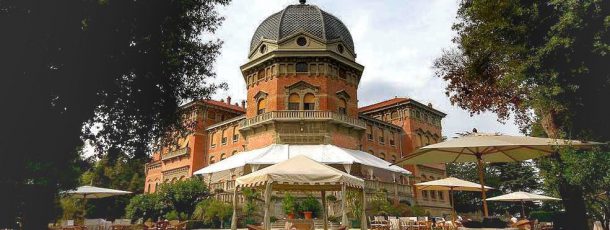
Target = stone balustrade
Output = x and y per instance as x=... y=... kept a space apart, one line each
x=373 y=186
x=297 y=115
x=175 y=153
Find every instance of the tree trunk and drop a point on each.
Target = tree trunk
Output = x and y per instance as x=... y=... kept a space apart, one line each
x=571 y=195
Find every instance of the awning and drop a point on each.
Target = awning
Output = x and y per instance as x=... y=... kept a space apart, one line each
x=326 y=154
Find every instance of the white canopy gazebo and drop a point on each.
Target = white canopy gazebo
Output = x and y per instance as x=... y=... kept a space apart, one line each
x=300 y=173
x=276 y=153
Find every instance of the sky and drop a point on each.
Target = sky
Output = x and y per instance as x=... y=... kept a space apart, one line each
x=396 y=40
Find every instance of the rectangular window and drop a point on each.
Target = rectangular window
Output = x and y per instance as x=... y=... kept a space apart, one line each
x=308 y=106
x=440 y=195
x=293 y=106
x=424 y=194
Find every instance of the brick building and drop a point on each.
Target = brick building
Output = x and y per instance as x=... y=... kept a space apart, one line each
x=302 y=81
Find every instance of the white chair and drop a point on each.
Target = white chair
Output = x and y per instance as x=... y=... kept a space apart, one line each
x=67 y=223
x=95 y=224
x=394 y=224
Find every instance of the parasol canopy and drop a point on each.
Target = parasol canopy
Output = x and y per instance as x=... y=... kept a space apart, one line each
x=521 y=196
x=482 y=147
x=91 y=192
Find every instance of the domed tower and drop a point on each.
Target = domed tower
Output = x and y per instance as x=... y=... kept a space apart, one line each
x=302 y=79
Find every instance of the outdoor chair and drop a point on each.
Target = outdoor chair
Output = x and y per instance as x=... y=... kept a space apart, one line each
x=176 y=225
x=394 y=224
x=379 y=222
x=255 y=227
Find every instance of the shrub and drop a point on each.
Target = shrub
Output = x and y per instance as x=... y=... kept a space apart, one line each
x=289 y=204
x=145 y=206
x=213 y=212
x=311 y=204
x=542 y=216
x=181 y=195
x=490 y=222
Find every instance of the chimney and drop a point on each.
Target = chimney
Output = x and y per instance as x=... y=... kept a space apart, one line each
x=243 y=104
x=229 y=100
x=236 y=104
x=430 y=105
x=222 y=100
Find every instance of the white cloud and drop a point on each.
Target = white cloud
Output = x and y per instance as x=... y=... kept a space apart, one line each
x=396 y=41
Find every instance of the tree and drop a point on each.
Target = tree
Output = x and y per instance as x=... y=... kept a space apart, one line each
x=145 y=206
x=504 y=177
x=124 y=66
x=182 y=195
x=213 y=211
x=541 y=63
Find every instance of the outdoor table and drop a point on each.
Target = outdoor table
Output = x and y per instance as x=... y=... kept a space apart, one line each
x=299 y=224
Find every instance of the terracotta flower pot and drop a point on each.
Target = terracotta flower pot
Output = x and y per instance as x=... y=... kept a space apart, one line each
x=290 y=216
x=307 y=215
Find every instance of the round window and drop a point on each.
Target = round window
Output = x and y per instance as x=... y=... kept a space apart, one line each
x=340 y=48
x=263 y=48
x=301 y=41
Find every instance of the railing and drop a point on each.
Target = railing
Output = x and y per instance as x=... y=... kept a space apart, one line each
x=302 y=115
x=223 y=185
x=175 y=153
x=152 y=165
x=373 y=186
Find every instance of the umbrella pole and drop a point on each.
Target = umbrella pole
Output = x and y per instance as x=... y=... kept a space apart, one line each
x=522 y=209
x=84 y=207
x=482 y=181
x=234 y=217
x=324 y=211
x=267 y=218
x=453 y=214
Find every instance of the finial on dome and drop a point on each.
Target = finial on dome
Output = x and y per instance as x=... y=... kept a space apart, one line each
x=302 y=1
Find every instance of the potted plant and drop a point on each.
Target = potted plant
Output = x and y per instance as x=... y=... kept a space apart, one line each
x=310 y=205
x=289 y=205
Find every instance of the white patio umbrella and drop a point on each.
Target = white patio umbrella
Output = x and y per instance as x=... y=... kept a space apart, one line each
x=450 y=184
x=521 y=197
x=92 y=192
x=481 y=148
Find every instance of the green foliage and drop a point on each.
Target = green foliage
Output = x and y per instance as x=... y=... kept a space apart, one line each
x=213 y=211
x=173 y=199
x=354 y=203
x=123 y=65
x=331 y=198
x=145 y=206
x=252 y=198
x=543 y=63
x=542 y=216
x=289 y=204
x=311 y=204
x=71 y=208
x=505 y=177
x=181 y=195
x=175 y=215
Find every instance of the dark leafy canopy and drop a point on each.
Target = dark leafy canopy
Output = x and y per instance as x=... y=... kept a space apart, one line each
x=546 y=63
x=503 y=177
x=125 y=65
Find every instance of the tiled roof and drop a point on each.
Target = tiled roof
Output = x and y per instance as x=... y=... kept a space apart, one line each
x=382 y=104
x=225 y=105
x=298 y=18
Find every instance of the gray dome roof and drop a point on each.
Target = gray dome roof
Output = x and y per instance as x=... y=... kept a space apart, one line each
x=308 y=18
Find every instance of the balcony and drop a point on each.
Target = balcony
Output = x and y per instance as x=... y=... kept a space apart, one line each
x=152 y=166
x=307 y=115
x=176 y=153
x=373 y=186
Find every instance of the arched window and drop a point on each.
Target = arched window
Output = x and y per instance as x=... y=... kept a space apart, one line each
x=294 y=101
x=382 y=156
x=309 y=102
x=371 y=152
x=149 y=188
x=260 y=107
x=301 y=67
x=393 y=158
x=234 y=152
x=212 y=160
x=427 y=140
x=342 y=106
x=212 y=139
x=235 y=134
x=419 y=141
x=223 y=139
